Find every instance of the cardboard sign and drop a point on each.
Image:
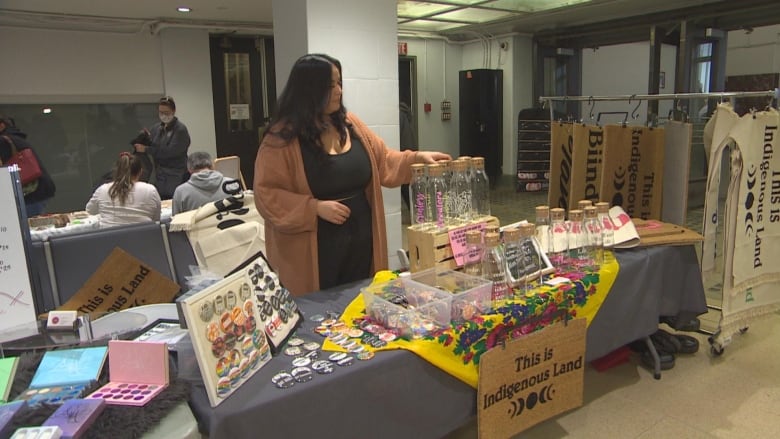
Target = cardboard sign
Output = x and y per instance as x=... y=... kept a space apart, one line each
x=586 y=163
x=121 y=282
x=651 y=173
x=531 y=379
x=562 y=141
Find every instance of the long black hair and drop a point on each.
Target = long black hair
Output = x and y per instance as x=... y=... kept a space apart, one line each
x=304 y=99
x=128 y=167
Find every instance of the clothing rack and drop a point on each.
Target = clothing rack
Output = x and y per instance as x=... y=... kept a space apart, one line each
x=547 y=100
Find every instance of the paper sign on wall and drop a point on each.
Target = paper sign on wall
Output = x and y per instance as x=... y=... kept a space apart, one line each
x=531 y=379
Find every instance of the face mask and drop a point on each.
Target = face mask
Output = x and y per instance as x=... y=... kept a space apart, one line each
x=166 y=119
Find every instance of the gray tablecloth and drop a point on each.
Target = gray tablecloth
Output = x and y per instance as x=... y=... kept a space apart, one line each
x=398 y=394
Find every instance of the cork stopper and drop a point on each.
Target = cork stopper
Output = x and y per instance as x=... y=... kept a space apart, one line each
x=590 y=212
x=473 y=237
x=542 y=210
x=492 y=239
x=491 y=228
x=602 y=207
x=478 y=162
x=576 y=215
x=527 y=230
x=512 y=234
x=557 y=214
x=418 y=169
x=582 y=204
x=460 y=165
x=435 y=170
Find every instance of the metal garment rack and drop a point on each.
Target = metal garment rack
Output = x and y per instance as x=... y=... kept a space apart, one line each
x=547 y=100
x=638 y=98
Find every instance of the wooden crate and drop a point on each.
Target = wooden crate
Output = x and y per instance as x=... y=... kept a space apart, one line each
x=433 y=249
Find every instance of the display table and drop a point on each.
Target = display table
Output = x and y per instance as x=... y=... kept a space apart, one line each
x=398 y=394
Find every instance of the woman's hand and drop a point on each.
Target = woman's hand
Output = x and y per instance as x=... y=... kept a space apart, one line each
x=430 y=157
x=333 y=211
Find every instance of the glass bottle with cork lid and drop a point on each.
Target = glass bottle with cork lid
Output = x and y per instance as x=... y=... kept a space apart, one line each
x=418 y=188
x=472 y=263
x=559 y=238
x=543 y=227
x=494 y=268
x=480 y=187
x=437 y=189
x=513 y=258
x=578 y=242
x=607 y=226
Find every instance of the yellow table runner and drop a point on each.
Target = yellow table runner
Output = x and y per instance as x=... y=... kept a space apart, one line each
x=457 y=349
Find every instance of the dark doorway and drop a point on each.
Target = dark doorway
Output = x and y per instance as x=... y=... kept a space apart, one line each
x=407 y=88
x=244 y=88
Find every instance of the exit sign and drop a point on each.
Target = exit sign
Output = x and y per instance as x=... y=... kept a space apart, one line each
x=403 y=49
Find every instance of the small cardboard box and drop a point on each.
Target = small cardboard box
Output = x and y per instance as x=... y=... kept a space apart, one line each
x=429 y=249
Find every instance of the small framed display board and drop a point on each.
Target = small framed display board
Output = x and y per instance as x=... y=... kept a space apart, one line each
x=17 y=307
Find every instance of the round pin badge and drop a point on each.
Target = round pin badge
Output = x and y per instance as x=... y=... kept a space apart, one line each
x=349 y=345
x=219 y=304
x=357 y=349
x=328 y=322
x=337 y=356
x=313 y=355
x=302 y=374
x=354 y=333
x=295 y=341
x=387 y=337
x=301 y=361
x=317 y=318
x=292 y=351
x=230 y=300
x=206 y=311
x=346 y=361
x=365 y=355
x=245 y=291
x=311 y=346
x=322 y=367
x=283 y=380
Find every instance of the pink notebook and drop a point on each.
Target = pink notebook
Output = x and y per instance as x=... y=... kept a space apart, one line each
x=137 y=372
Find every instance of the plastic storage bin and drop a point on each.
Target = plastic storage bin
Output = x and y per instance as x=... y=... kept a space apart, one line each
x=471 y=295
x=409 y=308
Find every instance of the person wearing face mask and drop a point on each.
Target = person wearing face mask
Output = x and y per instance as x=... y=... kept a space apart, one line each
x=170 y=142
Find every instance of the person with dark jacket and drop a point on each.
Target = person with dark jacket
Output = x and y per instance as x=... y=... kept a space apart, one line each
x=170 y=142
x=36 y=194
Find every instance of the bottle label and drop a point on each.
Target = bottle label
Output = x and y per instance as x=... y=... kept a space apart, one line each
x=439 y=209
x=419 y=208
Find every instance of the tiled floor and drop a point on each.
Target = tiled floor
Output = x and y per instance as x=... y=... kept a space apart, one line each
x=735 y=395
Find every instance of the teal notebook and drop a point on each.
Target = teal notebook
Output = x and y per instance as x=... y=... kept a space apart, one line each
x=65 y=367
x=7 y=373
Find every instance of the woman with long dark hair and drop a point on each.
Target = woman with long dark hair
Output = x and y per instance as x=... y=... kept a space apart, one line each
x=125 y=200
x=319 y=174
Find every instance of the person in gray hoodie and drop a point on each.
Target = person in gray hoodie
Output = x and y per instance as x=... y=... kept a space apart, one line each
x=205 y=184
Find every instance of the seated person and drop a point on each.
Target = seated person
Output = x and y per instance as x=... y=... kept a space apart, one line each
x=204 y=186
x=125 y=200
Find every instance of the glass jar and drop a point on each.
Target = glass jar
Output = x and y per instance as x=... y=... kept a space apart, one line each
x=480 y=187
x=594 y=237
x=437 y=189
x=543 y=227
x=462 y=189
x=559 y=238
x=578 y=241
x=607 y=226
x=494 y=267
x=472 y=263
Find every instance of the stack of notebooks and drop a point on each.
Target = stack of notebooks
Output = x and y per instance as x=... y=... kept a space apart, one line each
x=65 y=374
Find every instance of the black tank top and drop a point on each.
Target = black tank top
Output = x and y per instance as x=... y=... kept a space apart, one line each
x=340 y=176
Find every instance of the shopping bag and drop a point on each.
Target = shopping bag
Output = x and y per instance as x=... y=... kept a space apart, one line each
x=29 y=168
